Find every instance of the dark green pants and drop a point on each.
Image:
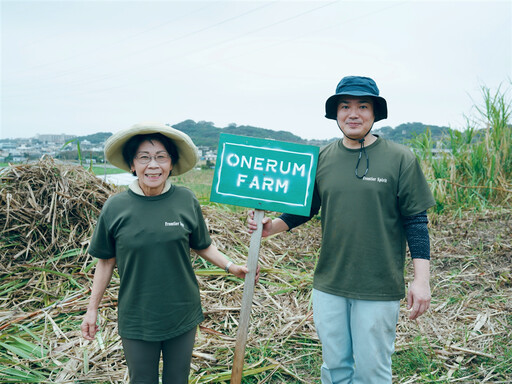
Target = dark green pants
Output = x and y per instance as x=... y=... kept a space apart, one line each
x=143 y=358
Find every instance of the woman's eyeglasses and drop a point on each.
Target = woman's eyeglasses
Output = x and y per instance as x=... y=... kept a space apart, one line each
x=145 y=159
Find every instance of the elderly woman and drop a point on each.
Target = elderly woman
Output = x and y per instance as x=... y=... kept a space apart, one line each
x=148 y=231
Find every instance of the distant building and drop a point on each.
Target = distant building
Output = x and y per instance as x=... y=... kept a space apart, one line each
x=57 y=139
x=8 y=145
x=24 y=149
x=210 y=156
x=437 y=153
x=202 y=149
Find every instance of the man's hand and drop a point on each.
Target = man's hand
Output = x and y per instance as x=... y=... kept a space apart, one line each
x=418 y=296
x=253 y=226
x=270 y=227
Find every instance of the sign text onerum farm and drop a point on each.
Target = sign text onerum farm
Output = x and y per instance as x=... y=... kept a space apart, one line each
x=270 y=167
x=264 y=174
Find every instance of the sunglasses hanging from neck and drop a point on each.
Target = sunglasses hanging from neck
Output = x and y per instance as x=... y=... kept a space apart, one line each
x=361 y=151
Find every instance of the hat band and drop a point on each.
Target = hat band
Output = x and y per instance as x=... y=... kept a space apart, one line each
x=357 y=88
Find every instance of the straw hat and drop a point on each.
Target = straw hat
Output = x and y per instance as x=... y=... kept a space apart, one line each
x=187 y=151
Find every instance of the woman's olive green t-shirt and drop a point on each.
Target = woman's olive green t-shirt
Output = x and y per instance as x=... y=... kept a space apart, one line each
x=151 y=237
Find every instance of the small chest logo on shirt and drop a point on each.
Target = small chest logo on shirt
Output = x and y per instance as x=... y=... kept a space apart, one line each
x=174 y=224
x=377 y=179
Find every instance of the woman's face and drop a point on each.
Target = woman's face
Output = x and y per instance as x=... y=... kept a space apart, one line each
x=153 y=174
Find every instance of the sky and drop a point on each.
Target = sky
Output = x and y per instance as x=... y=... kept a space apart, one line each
x=81 y=67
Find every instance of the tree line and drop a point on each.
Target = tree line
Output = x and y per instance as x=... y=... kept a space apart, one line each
x=205 y=133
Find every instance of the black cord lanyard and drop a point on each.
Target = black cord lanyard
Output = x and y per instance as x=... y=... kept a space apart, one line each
x=363 y=149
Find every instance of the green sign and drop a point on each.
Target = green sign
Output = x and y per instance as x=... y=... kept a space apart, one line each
x=264 y=174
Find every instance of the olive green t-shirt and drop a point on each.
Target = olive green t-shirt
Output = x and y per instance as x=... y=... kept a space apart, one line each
x=151 y=237
x=364 y=243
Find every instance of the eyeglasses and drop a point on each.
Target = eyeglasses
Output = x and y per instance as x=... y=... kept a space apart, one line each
x=145 y=159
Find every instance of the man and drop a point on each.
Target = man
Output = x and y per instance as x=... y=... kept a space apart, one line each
x=374 y=197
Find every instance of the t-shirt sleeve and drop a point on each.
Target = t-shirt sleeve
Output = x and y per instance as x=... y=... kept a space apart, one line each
x=200 y=237
x=102 y=243
x=414 y=195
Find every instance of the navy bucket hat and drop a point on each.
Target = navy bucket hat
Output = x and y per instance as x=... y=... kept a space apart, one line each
x=357 y=86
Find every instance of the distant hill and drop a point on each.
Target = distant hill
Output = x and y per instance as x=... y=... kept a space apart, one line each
x=405 y=132
x=205 y=133
x=95 y=138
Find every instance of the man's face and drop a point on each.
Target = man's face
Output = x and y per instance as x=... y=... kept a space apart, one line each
x=355 y=116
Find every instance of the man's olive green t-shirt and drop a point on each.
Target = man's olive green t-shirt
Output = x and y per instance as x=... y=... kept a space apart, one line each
x=151 y=237
x=364 y=243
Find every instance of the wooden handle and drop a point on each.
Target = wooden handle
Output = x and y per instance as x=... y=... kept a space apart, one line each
x=245 y=312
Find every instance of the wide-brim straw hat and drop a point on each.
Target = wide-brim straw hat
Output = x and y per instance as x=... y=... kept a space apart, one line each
x=357 y=86
x=187 y=151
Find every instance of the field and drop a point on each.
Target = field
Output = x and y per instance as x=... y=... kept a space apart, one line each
x=48 y=211
x=99 y=170
x=199 y=181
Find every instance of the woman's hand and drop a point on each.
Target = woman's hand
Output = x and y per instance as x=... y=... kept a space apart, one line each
x=89 y=326
x=213 y=255
x=102 y=276
x=241 y=271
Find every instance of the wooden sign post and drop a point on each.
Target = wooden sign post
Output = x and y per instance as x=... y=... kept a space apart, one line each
x=264 y=175
x=245 y=312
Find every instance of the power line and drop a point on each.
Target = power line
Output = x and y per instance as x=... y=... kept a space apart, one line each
x=170 y=41
x=115 y=43
x=113 y=75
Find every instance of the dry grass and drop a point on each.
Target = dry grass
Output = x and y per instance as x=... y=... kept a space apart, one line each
x=47 y=211
x=468 y=331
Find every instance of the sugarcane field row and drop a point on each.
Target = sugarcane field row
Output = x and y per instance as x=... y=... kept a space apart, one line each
x=48 y=211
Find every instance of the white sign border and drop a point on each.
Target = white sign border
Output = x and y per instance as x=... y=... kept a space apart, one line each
x=310 y=155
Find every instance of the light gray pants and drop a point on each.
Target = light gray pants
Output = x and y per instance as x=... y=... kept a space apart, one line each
x=357 y=338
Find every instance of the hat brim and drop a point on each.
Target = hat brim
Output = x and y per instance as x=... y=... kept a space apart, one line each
x=380 y=107
x=187 y=151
